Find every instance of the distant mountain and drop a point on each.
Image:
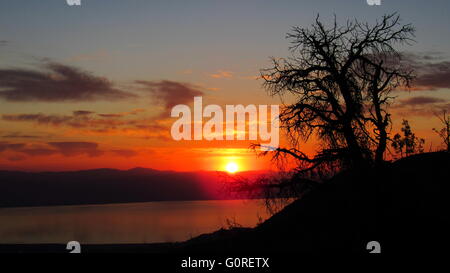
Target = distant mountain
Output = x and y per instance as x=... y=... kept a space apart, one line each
x=100 y=186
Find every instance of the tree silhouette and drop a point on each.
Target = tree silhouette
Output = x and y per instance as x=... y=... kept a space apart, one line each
x=409 y=144
x=340 y=78
x=444 y=133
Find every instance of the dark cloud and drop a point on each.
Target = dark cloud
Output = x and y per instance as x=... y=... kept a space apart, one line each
x=77 y=148
x=50 y=148
x=420 y=100
x=19 y=135
x=68 y=149
x=110 y=115
x=421 y=106
x=171 y=93
x=3 y=42
x=123 y=114
x=39 y=118
x=38 y=151
x=433 y=76
x=11 y=146
x=77 y=120
x=56 y=82
x=432 y=71
x=82 y=113
x=124 y=123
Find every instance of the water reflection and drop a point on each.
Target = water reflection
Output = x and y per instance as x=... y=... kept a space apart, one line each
x=124 y=223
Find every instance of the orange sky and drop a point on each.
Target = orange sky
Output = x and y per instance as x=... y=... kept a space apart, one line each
x=93 y=87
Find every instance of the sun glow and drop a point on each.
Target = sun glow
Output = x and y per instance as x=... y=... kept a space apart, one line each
x=231 y=167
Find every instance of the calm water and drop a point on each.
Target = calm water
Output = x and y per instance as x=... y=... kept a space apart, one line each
x=125 y=223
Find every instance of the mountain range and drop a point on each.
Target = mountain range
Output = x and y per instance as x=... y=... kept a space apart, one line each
x=101 y=186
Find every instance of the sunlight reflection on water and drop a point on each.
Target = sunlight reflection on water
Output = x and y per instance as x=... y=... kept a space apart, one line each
x=125 y=223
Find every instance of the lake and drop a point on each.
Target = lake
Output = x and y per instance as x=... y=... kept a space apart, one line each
x=147 y=222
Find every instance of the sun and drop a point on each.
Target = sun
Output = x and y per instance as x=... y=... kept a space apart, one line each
x=231 y=167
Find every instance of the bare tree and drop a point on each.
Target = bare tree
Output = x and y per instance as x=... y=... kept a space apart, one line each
x=341 y=78
x=444 y=133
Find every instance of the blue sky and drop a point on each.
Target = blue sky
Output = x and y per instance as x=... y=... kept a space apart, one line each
x=157 y=38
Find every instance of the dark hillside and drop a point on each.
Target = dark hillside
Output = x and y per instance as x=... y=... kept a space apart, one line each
x=404 y=206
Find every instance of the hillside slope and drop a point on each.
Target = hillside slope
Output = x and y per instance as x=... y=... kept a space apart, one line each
x=404 y=206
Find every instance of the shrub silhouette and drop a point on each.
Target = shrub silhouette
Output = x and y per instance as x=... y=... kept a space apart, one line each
x=408 y=144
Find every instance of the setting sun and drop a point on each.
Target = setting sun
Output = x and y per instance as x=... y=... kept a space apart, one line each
x=231 y=167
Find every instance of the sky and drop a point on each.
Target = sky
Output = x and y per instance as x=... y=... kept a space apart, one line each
x=127 y=63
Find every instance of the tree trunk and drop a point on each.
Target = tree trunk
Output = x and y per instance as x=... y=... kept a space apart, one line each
x=379 y=153
x=355 y=151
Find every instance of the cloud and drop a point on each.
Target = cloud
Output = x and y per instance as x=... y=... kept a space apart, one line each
x=77 y=148
x=19 y=135
x=432 y=72
x=110 y=115
x=19 y=151
x=212 y=88
x=221 y=74
x=38 y=151
x=79 y=119
x=86 y=123
x=55 y=120
x=420 y=100
x=10 y=146
x=420 y=106
x=3 y=42
x=23 y=148
x=50 y=148
x=122 y=114
x=171 y=93
x=55 y=82
x=433 y=76
x=82 y=113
